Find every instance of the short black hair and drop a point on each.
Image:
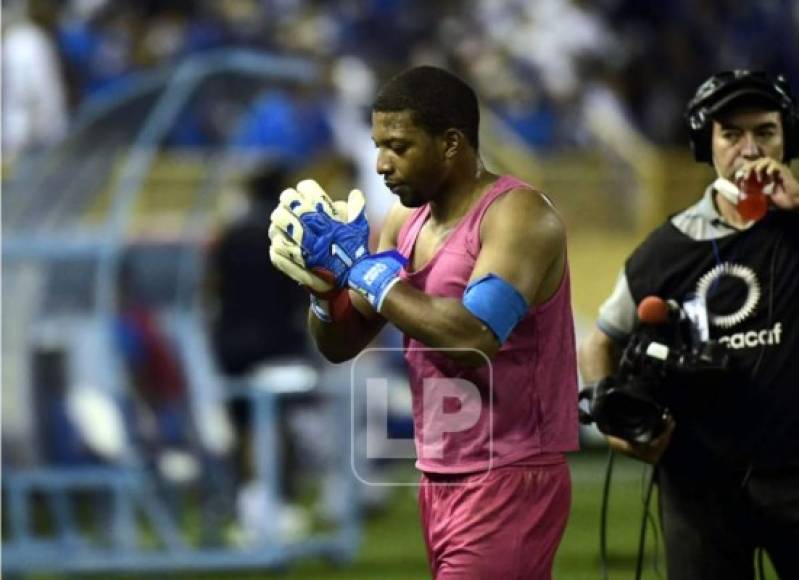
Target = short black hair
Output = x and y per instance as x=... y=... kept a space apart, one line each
x=437 y=99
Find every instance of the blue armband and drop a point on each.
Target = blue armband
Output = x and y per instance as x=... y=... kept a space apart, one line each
x=495 y=302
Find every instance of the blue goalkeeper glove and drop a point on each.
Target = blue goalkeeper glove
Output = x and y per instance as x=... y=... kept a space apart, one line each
x=329 y=240
x=332 y=240
x=328 y=301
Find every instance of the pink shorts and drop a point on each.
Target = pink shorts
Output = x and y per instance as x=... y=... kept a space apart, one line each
x=506 y=523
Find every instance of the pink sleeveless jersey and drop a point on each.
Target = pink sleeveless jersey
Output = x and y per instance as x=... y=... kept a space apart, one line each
x=528 y=395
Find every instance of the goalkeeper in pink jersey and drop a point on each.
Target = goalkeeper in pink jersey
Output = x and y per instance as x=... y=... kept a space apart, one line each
x=472 y=268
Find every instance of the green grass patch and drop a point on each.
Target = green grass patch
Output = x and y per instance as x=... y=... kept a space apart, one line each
x=393 y=549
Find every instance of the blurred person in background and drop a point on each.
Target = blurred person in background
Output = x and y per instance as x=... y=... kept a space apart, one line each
x=257 y=314
x=98 y=41
x=471 y=262
x=160 y=405
x=289 y=124
x=249 y=328
x=35 y=112
x=353 y=83
x=727 y=465
x=258 y=322
x=157 y=380
x=555 y=42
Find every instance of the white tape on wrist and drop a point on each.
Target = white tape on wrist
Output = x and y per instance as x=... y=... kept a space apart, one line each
x=321 y=309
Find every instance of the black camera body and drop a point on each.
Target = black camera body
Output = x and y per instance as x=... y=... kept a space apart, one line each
x=633 y=403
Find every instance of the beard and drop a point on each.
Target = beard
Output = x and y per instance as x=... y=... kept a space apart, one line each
x=409 y=197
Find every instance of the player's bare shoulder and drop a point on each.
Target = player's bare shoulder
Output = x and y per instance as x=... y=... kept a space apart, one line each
x=526 y=214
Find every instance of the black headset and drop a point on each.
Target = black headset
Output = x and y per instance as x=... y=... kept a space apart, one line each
x=725 y=87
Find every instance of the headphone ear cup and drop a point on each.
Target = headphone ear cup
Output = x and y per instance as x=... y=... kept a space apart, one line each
x=791 y=136
x=700 y=144
x=699 y=130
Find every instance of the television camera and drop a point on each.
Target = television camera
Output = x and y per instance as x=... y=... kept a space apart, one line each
x=669 y=346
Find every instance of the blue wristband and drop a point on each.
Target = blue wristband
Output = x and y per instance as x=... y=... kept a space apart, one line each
x=374 y=275
x=496 y=303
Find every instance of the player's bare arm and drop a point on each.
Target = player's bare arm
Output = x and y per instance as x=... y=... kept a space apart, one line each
x=523 y=244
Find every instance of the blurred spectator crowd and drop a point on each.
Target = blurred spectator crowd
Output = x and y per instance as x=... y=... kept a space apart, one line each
x=541 y=65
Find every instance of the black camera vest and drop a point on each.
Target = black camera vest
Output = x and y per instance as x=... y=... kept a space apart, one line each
x=750 y=281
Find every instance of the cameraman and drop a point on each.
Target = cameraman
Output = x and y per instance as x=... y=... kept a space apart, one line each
x=728 y=460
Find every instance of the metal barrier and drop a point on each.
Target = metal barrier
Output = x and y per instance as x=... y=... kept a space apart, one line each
x=134 y=504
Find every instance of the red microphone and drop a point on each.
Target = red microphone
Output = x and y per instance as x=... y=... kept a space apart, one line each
x=655 y=310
